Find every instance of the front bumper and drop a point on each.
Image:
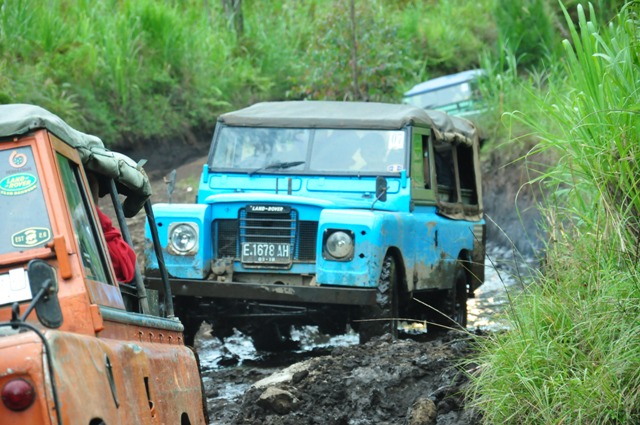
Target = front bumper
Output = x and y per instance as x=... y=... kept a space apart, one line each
x=267 y=292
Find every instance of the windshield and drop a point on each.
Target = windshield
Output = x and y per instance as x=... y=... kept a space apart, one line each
x=286 y=150
x=25 y=223
x=442 y=97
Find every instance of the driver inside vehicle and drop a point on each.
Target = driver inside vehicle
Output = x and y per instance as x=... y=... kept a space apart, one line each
x=123 y=257
x=373 y=151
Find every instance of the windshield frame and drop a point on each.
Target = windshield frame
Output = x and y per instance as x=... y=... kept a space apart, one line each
x=316 y=142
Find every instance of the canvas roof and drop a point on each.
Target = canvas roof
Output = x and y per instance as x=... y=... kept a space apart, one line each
x=353 y=115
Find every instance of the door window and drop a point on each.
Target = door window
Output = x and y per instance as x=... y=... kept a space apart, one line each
x=421 y=167
x=445 y=172
x=84 y=226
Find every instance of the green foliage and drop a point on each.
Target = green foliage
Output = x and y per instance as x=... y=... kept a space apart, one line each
x=133 y=71
x=449 y=35
x=126 y=70
x=596 y=102
x=526 y=27
x=572 y=353
x=387 y=47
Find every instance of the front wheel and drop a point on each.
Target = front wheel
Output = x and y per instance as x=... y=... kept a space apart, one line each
x=273 y=337
x=381 y=318
x=186 y=309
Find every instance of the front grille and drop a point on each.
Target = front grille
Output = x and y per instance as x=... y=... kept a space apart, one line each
x=229 y=234
x=225 y=232
x=306 y=241
x=256 y=227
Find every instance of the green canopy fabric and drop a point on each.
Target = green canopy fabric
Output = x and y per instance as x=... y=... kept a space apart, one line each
x=354 y=115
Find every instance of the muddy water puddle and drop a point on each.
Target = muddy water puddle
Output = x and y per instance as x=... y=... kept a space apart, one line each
x=505 y=277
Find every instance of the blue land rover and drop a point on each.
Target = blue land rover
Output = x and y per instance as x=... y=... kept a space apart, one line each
x=331 y=214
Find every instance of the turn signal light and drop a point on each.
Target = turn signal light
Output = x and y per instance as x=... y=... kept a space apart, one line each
x=18 y=394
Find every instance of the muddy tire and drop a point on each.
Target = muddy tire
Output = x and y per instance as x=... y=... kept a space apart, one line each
x=459 y=297
x=380 y=318
x=453 y=304
x=273 y=337
x=185 y=308
x=191 y=328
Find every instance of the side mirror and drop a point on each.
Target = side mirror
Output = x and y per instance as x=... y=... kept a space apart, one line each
x=381 y=189
x=44 y=288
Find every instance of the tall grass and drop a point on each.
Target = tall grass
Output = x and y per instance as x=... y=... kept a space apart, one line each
x=526 y=26
x=126 y=70
x=145 y=70
x=573 y=352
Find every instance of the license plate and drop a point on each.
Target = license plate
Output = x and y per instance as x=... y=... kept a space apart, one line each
x=269 y=253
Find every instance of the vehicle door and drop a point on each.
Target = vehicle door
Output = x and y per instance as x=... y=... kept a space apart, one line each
x=427 y=247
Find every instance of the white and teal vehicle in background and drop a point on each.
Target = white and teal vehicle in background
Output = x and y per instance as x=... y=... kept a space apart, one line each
x=456 y=94
x=328 y=214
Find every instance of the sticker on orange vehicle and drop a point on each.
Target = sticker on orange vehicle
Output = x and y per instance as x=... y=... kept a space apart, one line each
x=18 y=184
x=31 y=237
x=17 y=160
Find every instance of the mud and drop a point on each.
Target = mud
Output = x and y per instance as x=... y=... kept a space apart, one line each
x=381 y=382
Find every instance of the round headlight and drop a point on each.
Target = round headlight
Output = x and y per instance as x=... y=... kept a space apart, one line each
x=340 y=245
x=183 y=238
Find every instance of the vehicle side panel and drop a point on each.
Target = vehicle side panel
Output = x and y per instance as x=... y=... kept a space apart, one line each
x=437 y=243
x=151 y=383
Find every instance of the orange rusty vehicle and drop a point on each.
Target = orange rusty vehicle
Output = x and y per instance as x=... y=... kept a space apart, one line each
x=76 y=346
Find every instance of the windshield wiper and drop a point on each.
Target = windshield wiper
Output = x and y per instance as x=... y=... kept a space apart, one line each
x=277 y=166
